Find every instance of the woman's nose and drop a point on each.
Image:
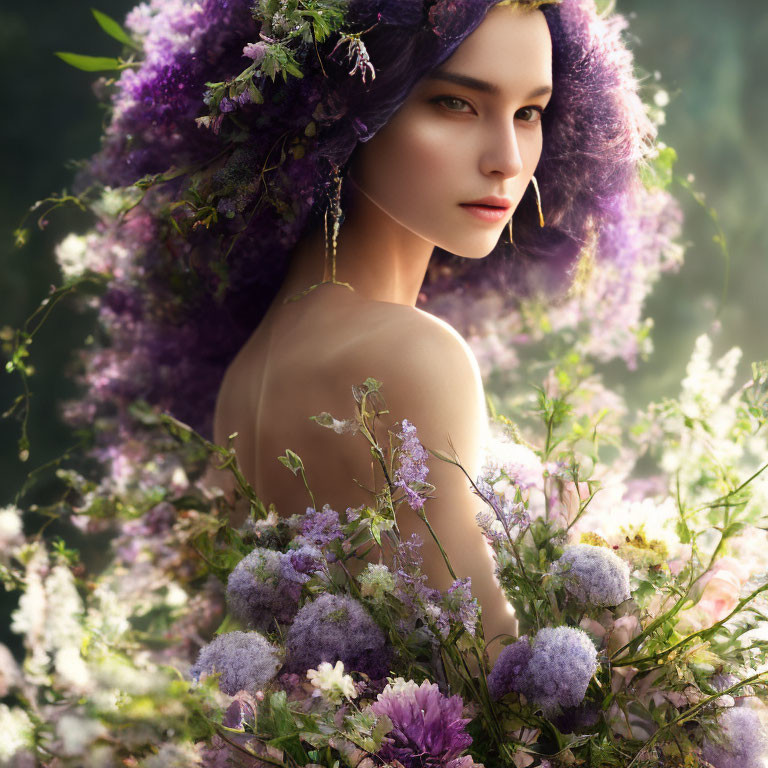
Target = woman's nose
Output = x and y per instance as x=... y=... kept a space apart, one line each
x=502 y=152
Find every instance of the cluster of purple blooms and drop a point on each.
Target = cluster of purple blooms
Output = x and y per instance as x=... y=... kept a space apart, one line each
x=553 y=671
x=593 y=575
x=412 y=468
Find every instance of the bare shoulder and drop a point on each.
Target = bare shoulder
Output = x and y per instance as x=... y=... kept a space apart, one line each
x=429 y=375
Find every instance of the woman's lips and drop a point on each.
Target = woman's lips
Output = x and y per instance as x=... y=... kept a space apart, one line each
x=486 y=212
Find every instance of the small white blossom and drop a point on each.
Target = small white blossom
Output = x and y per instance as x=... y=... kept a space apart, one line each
x=16 y=733
x=71 y=255
x=331 y=681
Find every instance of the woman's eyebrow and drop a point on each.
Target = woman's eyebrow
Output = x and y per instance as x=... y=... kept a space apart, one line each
x=481 y=85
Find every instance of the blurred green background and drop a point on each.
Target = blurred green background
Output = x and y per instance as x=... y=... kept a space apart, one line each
x=711 y=55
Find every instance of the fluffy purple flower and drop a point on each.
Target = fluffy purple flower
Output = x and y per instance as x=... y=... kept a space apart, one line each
x=562 y=664
x=321 y=528
x=428 y=729
x=245 y=661
x=593 y=575
x=258 y=593
x=413 y=464
x=741 y=741
x=510 y=672
x=334 y=627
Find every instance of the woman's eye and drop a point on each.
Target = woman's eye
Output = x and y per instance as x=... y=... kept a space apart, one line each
x=451 y=103
x=534 y=114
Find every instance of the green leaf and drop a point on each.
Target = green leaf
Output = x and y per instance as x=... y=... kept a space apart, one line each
x=113 y=29
x=88 y=63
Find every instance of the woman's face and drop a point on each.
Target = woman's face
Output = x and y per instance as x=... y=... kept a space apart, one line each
x=469 y=130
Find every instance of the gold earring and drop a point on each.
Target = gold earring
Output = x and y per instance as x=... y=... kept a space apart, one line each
x=538 y=200
x=509 y=226
x=335 y=206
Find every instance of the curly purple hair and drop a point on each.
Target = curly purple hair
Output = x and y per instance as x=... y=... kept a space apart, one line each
x=180 y=307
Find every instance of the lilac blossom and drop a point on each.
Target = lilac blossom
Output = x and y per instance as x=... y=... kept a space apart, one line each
x=245 y=661
x=258 y=593
x=413 y=464
x=594 y=576
x=741 y=739
x=510 y=672
x=562 y=664
x=332 y=628
x=428 y=729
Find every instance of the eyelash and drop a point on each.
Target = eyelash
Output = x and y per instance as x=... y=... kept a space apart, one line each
x=440 y=99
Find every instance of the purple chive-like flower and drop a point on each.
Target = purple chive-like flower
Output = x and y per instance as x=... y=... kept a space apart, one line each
x=562 y=664
x=510 y=672
x=332 y=628
x=428 y=729
x=259 y=593
x=413 y=464
x=245 y=661
x=741 y=739
x=593 y=575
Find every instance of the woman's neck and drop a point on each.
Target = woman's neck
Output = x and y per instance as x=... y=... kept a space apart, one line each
x=376 y=255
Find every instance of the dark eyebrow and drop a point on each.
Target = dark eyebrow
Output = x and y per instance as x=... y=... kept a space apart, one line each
x=481 y=85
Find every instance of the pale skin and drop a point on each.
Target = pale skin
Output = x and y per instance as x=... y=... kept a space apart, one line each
x=450 y=143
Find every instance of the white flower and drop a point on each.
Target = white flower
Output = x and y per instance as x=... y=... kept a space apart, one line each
x=77 y=733
x=71 y=255
x=398 y=686
x=661 y=99
x=331 y=681
x=11 y=530
x=16 y=732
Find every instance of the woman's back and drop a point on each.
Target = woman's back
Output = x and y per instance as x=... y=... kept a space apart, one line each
x=303 y=359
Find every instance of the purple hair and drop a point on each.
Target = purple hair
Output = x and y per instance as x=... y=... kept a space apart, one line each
x=180 y=306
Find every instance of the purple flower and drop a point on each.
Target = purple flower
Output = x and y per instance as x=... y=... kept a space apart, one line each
x=741 y=740
x=593 y=575
x=510 y=672
x=332 y=628
x=562 y=664
x=320 y=528
x=413 y=464
x=458 y=605
x=255 y=51
x=245 y=661
x=428 y=729
x=258 y=593
x=298 y=565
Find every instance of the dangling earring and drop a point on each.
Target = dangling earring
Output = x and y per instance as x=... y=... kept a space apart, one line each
x=509 y=226
x=538 y=200
x=338 y=218
x=336 y=213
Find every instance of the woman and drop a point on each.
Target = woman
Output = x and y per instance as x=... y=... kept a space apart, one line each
x=449 y=144
x=234 y=230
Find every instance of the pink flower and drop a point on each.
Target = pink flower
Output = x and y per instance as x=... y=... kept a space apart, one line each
x=717 y=594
